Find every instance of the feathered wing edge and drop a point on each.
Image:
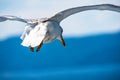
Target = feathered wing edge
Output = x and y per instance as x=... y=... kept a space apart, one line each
x=14 y=18
x=26 y=31
x=64 y=14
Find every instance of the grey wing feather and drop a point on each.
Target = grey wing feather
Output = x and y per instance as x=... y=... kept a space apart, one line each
x=8 y=17
x=64 y=14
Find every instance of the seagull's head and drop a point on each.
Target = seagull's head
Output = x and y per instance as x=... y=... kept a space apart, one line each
x=54 y=31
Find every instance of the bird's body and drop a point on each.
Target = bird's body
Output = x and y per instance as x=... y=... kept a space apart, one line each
x=44 y=30
x=48 y=30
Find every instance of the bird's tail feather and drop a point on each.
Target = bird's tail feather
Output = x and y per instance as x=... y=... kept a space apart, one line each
x=35 y=37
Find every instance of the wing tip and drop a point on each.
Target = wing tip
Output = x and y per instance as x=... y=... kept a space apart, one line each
x=2 y=18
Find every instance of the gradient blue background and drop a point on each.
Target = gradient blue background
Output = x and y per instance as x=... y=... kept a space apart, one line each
x=87 y=58
x=92 y=39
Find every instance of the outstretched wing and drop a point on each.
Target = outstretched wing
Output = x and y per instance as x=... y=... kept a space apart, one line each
x=14 y=18
x=64 y=14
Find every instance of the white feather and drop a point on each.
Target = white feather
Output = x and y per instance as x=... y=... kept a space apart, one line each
x=36 y=36
x=26 y=32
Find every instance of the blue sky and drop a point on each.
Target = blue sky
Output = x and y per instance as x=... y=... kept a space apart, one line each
x=81 y=24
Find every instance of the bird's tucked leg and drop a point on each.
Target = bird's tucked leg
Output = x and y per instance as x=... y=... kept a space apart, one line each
x=38 y=47
x=62 y=40
x=32 y=49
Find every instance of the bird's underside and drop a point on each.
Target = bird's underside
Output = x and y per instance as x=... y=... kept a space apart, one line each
x=35 y=31
x=38 y=47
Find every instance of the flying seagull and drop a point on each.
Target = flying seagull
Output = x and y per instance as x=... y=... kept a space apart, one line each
x=44 y=30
